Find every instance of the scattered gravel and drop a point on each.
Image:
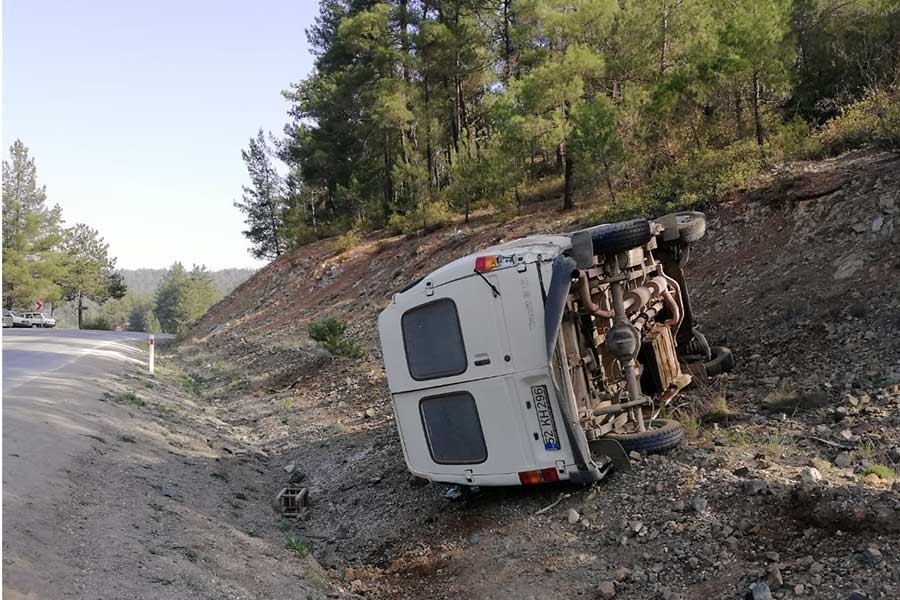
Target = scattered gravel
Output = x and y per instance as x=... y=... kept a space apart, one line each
x=769 y=499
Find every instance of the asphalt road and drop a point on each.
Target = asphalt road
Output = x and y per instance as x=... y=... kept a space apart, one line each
x=51 y=414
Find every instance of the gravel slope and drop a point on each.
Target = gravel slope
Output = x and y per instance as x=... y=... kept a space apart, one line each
x=799 y=276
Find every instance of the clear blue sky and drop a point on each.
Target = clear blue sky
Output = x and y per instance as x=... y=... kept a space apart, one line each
x=136 y=113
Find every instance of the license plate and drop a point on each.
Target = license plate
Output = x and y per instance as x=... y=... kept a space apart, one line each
x=545 y=417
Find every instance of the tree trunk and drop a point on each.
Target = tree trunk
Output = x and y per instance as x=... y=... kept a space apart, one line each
x=568 y=167
x=274 y=224
x=410 y=133
x=80 y=309
x=569 y=172
x=507 y=46
x=404 y=39
x=531 y=144
x=388 y=179
x=695 y=135
x=464 y=120
x=664 y=34
x=454 y=125
x=609 y=185
x=738 y=113
x=757 y=122
x=429 y=149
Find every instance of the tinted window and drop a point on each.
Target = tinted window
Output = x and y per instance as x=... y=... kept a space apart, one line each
x=453 y=429
x=433 y=341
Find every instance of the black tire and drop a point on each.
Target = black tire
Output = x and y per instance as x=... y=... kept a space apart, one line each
x=618 y=237
x=34 y=325
x=698 y=345
x=661 y=436
x=691 y=225
x=722 y=361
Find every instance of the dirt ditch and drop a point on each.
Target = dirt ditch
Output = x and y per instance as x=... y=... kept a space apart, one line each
x=786 y=477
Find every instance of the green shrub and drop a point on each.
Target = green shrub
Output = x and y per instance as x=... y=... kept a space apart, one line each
x=874 y=120
x=882 y=471
x=629 y=204
x=481 y=178
x=795 y=140
x=427 y=217
x=100 y=322
x=330 y=333
x=346 y=241
x=326 y=329
x=705 y=175
x=131 y=398
x=298 y=546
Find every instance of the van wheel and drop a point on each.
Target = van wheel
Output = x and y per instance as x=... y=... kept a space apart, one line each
x=722 y=361
x=34 y=325
x=618 y=237
x=691 y=225
x=662 y=435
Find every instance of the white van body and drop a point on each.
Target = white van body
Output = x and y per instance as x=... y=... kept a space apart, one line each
x=549 y=357
x=489 y=369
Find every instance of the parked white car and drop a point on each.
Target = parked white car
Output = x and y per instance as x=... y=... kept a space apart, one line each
x=7 y=318
x=39 y=320
x=19 y=320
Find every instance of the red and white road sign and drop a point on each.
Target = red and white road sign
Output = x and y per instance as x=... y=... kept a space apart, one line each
x=37 y=305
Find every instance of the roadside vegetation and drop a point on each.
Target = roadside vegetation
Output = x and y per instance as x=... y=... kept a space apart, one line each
x=42 y=259
x=72 y=267
x=417 y=114
x=332 y=335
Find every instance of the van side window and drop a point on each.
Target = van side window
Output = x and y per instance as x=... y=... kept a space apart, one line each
x=433 y=340
x=453 y=429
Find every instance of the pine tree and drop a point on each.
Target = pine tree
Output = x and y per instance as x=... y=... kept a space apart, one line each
x=421 y=104
x=31 y=234
x=263 y=200
x=183 y=297
x=89 y=272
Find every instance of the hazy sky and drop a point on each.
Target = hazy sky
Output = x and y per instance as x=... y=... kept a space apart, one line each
x=136 y=113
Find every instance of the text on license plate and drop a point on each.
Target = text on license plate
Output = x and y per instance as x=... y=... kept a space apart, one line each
x=545 y=417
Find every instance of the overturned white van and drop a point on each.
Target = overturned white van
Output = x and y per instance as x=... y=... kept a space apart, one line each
x=546 y=358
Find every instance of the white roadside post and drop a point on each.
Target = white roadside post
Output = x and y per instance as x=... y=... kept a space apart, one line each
x=152 y=348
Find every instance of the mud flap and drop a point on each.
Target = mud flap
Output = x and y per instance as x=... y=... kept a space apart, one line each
x=614 y=451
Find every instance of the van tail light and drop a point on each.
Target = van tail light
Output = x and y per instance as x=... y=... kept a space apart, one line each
x=485 y=263
x=538 y=476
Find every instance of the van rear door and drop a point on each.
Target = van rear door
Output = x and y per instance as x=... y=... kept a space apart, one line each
x=445 y=335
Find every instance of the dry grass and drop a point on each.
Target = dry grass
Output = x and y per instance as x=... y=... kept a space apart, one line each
x=708 y=404
x=780 y=446
x=882 y=471
x=788 y=399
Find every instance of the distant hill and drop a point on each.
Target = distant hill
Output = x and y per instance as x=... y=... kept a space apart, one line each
x=145 y=281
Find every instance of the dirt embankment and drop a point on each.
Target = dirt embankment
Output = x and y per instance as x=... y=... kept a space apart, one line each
x=778 y=481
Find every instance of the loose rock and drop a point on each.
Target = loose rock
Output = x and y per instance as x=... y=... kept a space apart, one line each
x=842 y=460
x=810 y=475
x=607 y=590
x=760 y=591
x=699 y=504
x=774 y=578
x=871 y=556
